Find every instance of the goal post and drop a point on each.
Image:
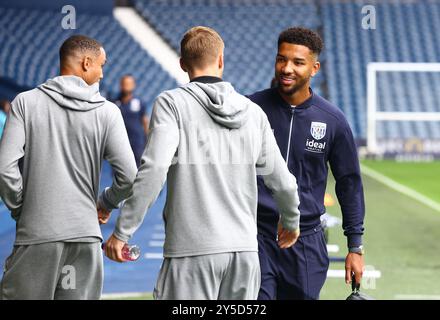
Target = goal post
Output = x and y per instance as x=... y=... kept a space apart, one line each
x=374 y=115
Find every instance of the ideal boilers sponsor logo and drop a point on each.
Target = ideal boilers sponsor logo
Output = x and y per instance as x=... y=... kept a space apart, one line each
x=313 y=146
x=318 y=131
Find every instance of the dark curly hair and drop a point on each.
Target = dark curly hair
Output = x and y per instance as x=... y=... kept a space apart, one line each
x=302 y=36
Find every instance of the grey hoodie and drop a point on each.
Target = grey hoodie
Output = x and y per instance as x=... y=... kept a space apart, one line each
x=208 y=142
x=63 y=130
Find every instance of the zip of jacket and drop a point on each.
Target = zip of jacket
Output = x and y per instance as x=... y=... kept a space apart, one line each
x=292 y=120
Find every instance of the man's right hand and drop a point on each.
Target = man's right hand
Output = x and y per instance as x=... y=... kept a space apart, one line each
x=113 y=249
x=286 y=238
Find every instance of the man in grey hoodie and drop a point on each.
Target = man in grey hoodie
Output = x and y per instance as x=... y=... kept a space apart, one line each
x=208 y=141
x=62 y=130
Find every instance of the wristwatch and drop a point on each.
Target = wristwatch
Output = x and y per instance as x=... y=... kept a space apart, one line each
x=358 y=250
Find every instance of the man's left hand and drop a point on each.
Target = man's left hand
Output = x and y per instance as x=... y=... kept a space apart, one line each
x=103 y=214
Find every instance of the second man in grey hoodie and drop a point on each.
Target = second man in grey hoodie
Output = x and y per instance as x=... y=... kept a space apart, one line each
x=209 y=142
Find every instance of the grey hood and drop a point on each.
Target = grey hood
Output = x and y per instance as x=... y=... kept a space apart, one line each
x=73 y=93
x=222 y=102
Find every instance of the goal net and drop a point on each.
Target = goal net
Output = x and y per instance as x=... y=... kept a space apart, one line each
x=403 y=110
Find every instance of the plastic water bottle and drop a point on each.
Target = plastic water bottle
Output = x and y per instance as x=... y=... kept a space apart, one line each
x=129 y=253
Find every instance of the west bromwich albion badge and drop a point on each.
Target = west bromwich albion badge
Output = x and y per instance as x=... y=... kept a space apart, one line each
x=318 y=129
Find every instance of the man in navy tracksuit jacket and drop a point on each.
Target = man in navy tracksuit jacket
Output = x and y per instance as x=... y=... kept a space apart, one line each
x=135 y=116
x=311 y=132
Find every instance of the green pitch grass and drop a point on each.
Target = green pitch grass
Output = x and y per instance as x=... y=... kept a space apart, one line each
x=422 y=177
x=402 y=236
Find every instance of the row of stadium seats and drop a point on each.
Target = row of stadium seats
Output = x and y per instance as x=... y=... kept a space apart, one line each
x=29 y=51
x=249 y=28
x=405 y=33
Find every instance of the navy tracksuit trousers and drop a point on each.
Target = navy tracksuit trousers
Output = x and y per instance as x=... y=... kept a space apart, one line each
x=296 y=273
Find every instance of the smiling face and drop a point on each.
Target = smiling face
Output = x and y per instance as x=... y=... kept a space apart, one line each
x=294 y=67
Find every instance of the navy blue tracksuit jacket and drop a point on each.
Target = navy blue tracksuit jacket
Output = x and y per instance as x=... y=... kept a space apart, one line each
x=132 y=113
x=310 y=136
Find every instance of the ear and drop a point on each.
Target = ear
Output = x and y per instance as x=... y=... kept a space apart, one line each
x=182 y=65
x=316 y=68
x=86 y=63
x=221 y=61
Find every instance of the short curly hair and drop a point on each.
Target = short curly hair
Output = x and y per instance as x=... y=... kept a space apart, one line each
x=79 y=44
x=302 y=36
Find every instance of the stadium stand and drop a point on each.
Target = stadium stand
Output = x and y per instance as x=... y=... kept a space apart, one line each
x=406 y=36
x=349 y=48
x=31 y=38
x=249 y=28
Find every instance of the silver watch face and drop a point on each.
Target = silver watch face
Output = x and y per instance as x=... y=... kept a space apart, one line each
x=356 y=249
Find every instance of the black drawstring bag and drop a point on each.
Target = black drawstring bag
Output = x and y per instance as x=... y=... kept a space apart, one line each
x=356 y=294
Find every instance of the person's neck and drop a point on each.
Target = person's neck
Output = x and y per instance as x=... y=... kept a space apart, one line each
x=70 y=72
x=205 y=73
x=298 y=97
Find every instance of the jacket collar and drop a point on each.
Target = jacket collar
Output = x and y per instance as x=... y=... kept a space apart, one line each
x=207 y=79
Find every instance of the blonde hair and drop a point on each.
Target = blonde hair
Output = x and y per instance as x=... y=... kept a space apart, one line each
x=200 y=47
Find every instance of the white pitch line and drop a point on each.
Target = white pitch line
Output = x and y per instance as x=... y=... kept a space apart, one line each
x=158 y=244
x=153 y=255
x=375 y=274
x=158 y=236
x=333 y=248
x=108 y=296
x=416 y=297
x=400 y=188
